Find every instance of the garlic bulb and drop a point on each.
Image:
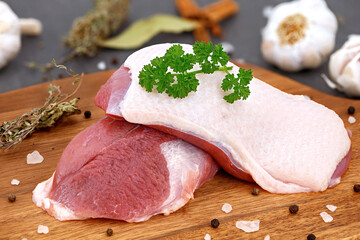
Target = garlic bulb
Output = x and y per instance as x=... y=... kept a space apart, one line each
x=10 y=41
x=299 y=34
x=10 y=28
x=344 y=67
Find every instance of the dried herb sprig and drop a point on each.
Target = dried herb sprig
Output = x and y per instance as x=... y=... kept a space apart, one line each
x=98 y=24
x=88 y=32
x=55 y=106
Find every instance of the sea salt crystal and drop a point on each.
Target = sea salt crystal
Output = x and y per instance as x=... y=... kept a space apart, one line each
x=331 y=207
x=240 y=60
x=267 y=237
x=24 y=239
x=101 y=65
x=226 y=208
x=228 y=47
x=207 y=237
x=43 y=229
x=351 y=119
x=34 y=158
x=326 y=217
x=15 y=182
x=248 y=226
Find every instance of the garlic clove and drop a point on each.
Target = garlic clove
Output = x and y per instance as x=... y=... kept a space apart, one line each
x=30 y=26
x=10 y=41
x=10 y=29
x=344 y=66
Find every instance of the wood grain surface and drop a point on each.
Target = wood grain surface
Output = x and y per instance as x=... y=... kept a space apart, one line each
x=21 y=219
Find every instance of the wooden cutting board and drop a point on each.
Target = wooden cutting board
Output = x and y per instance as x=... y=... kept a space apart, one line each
x=21 y=219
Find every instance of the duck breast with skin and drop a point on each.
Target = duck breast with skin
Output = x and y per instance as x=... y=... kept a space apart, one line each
x=118 y=170
x=283 y=142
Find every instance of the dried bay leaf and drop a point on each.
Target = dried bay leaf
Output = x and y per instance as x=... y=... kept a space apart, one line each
x=143 y=30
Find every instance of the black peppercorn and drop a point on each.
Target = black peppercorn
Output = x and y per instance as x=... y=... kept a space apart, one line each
x=87 y=114
x=293 y=209
x=255 y=191
x=109 y=232
x=114 y=61
x=61 y=76
x=215 y=223
x=357 y=188
x=351 y=110
x=12 y=197
x=311 y=237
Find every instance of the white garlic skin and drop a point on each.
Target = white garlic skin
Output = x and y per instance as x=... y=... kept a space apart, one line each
x=344 y=66
x=313 y=48
x=10 y=39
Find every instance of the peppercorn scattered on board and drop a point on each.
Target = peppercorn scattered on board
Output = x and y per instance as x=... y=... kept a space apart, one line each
x=20 y=219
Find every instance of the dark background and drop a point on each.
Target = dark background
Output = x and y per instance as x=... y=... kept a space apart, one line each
x=241 y=30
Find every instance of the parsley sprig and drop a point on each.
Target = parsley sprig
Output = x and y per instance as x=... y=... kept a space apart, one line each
x=179 y=82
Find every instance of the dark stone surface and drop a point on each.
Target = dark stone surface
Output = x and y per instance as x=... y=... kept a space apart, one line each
x=242 y=30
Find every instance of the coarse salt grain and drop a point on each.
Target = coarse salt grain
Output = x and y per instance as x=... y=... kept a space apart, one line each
x=351 y=119
x=15 y=182
x=24 y=239
x=267 y=237
x=240 y=60
x=331 y=207
x=207 y=237
x=248 y=226
x=326 y=217
x=34 y=158
x=101 y=65
x=228 y=47
x=226 y=208
x=43 y=229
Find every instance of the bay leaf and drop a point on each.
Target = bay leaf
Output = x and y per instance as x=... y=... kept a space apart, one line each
x=143 y=30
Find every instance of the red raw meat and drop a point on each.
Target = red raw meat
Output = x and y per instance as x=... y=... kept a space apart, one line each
x=118 y=170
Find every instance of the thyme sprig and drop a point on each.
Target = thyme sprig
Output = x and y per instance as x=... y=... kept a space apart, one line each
x=55 y=106
x=89 y=31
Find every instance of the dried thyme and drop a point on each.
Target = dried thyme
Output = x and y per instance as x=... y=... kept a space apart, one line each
x=55 y=106
x=98 y=24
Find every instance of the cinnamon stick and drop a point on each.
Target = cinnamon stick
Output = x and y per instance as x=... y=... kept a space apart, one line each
x=188 y=8
x=201 y=34
x=208 y=16
x=220 y=10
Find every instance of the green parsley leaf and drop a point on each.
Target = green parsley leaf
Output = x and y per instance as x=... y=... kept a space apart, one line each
x=219 y=56
x=172 y=73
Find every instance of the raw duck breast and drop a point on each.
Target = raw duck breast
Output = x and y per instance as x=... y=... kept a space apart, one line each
x=285 y=143
x=118 y=170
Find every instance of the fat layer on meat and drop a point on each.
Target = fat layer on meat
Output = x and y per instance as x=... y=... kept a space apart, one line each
x=286 y=142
